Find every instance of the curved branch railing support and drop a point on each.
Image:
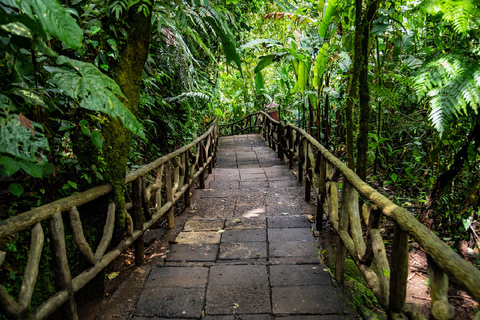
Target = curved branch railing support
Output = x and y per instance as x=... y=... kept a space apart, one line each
x=155 y=189
x=321 y=171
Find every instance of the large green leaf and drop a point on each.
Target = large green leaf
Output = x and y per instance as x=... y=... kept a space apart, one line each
x=56 y=20
x=20 y=137
x=259 y=83
x=264 y=62
x=320 y=64
x=94 y=90
x=327 y=18
x=30 y=23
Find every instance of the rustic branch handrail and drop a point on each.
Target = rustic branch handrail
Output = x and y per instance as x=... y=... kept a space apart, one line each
x=180 y=167
x=247 y=124
x=388 y=285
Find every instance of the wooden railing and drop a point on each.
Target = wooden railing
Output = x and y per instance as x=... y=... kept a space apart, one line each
x=167 y=179
x=357 y=223
x=248 y=124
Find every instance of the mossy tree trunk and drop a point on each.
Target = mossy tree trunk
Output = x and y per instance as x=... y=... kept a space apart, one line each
x=359 y=87
x=364 y=90
x=353 y=86
x=128 y=74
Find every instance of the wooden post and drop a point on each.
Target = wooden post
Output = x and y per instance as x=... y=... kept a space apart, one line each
x=280 y=141
x=158 y=193
x=332 y=194
x=301 y=152
x=291 y=149
x=169 y=195
x=399 y=271
x=441 y=308
x=201 y=164
x=319 y=218
x=186 y=195
x=343 y=221
x=138 y=220
x=308 y=175
x=210 y=152
x=145 y=199
x=63 y=277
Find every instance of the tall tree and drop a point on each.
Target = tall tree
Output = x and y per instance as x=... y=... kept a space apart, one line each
x=127 y=71
x=363 y=90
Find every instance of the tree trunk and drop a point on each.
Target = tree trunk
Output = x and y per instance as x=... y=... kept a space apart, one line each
x=353 y=87
x=364 y=92
x=128 y=74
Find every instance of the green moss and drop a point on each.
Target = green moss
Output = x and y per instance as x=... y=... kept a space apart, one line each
x=128 y=74
x=116 y=149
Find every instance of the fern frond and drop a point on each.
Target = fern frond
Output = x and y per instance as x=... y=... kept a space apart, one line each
x=461 y=13
x=188 y=95
x=453 y=86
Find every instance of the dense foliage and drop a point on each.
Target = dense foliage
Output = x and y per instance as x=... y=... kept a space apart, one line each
x=392 y=88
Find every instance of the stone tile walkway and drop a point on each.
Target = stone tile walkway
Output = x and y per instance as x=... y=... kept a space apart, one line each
x=247 y=252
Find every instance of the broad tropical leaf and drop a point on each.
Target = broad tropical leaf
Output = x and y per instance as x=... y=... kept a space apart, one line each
x=20 y=136
x=56 y=20
x=94 y=90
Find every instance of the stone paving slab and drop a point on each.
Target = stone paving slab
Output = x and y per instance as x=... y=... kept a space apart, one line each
x=288 y=222
x=251 y=171
x=179 y=277
x=246 y=223
x=290 y=234
x=193 y=252
x=244 y=235
x=213 y=193
x=204 y=225
x=305 y=300
x=242 y=165
x=293 y=249
x=279 y=184
x=216 y=203
x=288 y=201
x=243 y=250
x=224 y=300
x=251 y=184
x=251 y=200
x=239 y=275
x=240 y=317
x=181 y=303
x=250 y=211
x=299 y=275
x=277 y=209
x=198 y=237
x=224 y=185
x=315 y=317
